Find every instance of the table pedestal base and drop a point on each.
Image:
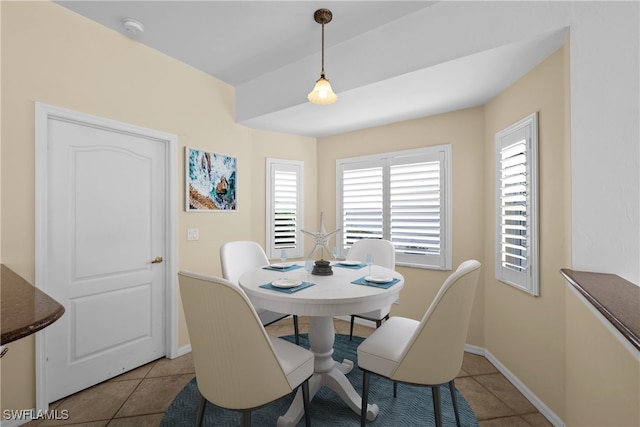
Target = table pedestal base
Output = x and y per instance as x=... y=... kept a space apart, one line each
x=327 y=372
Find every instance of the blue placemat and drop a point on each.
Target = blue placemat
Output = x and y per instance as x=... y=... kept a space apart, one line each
x=303 y=285
x=287 y=268
x=353 y=267
x=362 y=281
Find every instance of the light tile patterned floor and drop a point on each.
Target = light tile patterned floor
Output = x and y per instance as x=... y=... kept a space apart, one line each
x=140 y=397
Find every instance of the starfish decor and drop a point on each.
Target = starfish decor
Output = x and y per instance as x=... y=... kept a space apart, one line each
x=322 y=238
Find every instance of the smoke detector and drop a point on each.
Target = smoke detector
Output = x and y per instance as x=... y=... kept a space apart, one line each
x=132 y=27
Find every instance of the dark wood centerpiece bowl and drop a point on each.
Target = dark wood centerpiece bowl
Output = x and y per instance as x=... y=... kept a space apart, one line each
x=322 y=268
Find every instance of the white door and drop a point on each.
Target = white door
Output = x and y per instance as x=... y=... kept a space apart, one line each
x=106 y=204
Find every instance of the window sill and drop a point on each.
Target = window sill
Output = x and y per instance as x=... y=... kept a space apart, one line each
x=616 y=298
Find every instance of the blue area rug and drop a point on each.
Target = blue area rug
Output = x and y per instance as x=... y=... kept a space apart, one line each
x=412 y=407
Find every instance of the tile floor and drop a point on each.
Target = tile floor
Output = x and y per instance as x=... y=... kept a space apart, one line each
x=139 y=398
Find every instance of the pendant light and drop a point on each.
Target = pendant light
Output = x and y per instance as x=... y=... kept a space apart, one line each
x=322 y=94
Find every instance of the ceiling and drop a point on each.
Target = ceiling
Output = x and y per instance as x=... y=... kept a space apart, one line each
x=388 y=61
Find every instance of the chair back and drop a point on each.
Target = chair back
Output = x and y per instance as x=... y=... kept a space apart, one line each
x=236 y=365
x=442 y=332
x=383 y=251
x=240 y=256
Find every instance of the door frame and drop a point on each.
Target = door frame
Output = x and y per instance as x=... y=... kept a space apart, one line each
x=44 y=112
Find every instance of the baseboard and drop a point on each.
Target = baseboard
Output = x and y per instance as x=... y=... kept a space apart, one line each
x=526 y=392
x=183 y=350
x=473 y=349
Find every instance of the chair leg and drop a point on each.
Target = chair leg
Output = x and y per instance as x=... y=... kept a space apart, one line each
x=201 y=407
x=246 y=418
x=305 y=403
x=435 y=392
x=296 y=331
x=365 y=398
x=454 y=399
x=395 y=389
x=351 y=328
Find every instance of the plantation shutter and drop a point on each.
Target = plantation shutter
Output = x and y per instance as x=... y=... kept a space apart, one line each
x=402 y=197
x=284 y=216
x=516 y=205
x=362 y=207
x=414 y=193
x=285 y=209
x=513 y=207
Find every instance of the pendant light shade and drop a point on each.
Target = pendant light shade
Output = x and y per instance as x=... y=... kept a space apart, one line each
x=322 y=94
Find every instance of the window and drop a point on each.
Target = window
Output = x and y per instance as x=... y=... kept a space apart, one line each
x=284 y=207
x=403 y=197
x=517 y=205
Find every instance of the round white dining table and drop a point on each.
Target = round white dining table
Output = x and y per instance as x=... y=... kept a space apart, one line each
x=330 y=296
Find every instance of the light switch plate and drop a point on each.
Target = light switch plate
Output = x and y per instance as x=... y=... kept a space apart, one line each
x=192 y=234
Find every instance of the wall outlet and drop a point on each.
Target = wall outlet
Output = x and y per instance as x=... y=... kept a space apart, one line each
x=192 y=234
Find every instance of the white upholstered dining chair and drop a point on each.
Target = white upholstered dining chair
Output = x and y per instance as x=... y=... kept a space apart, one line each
x=428 y=352
x=238 y=371
x=241 y=256
x=384 y=254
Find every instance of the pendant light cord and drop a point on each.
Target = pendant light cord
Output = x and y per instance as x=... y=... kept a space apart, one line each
x=322 y=72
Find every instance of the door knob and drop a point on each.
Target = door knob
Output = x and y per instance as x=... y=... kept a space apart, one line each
x=158 y=260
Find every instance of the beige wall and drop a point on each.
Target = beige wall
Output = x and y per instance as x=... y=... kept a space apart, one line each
x=602 y=374
x=527 y=333
x=464 y=130
x=52 y=55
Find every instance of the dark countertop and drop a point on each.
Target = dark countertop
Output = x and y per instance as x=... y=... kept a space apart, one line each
x=24 y=309
x=616 y=298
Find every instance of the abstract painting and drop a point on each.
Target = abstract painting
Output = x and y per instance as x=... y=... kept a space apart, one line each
x=211 y=181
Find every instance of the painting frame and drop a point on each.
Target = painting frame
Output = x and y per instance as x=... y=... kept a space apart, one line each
x=210 y=181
